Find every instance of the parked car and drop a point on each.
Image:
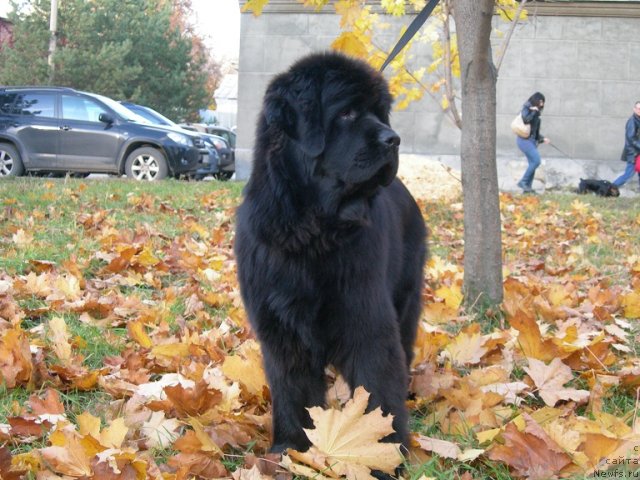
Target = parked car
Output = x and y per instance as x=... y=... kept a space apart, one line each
x=221 y=167
x=227 y=134
x=58 y=129
x=225 y=149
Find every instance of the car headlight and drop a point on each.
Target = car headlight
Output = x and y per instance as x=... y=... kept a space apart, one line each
x=179 y=138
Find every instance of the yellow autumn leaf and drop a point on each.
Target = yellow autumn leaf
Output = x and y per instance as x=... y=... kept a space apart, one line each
x=452 y=295
x=246 y=367
x=67 y=455
x=138 y=334
x=146 y=258
x=350 y=439
x=349 y=11
x=255 y=6
x=89 y=425
x=113 y=435
x=466 y=348
x=393 y=7
x=207 y=443
x=350 y=44
x=171 y=350
x=631 y=304
x=68 y=286
x=59 y=337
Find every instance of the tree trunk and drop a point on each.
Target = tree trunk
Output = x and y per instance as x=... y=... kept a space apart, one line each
x=482 y=240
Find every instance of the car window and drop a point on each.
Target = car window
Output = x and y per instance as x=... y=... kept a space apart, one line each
x=34 y=104
x=82 y=109
x=120 y=109
x=6 y=102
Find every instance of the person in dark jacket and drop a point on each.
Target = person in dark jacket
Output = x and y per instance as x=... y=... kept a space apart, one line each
x=531 y=112
x=631 y=146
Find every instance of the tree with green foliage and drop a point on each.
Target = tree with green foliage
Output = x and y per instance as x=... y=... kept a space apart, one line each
x=134 y=50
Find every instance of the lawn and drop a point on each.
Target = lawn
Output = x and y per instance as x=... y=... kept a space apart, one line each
x=125 y=351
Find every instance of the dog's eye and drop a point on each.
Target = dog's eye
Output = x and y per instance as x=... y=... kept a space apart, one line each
x=348 y=114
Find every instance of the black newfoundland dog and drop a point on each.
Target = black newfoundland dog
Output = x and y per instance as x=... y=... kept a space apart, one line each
x=330 y=245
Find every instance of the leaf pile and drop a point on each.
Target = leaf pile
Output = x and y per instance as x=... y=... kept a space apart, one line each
x=125 y=351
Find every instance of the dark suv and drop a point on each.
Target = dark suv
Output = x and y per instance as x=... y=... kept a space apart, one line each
x=221 y=158
x=55 y=129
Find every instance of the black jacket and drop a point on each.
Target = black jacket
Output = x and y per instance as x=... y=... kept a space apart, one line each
x=532 y=117
x=631 y=140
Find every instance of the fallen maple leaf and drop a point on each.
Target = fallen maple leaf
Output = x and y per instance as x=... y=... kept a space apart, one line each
x=532 y=453
x=15 y=358
x=59 y=337
x=443 y=448
x=349 y=439
x=467 y=348
x=246 y=367
x=159 y=431
x=70 y=457
x=550 y=380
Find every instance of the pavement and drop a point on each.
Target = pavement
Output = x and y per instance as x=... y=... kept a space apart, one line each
x=441 y=173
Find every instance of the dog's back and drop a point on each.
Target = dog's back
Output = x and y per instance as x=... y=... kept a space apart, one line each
x=603 y=188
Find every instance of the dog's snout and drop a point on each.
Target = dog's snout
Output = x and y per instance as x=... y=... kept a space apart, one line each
x=389 y=138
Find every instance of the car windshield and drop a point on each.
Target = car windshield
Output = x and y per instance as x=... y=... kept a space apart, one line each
x=124 y=112
x=159 y=117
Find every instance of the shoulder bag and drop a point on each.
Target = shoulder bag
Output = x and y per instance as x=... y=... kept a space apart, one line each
x=520 y=128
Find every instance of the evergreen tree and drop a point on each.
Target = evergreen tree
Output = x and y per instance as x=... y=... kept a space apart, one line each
x=124 y=49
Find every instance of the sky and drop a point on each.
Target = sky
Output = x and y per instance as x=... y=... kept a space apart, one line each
x=217 y=22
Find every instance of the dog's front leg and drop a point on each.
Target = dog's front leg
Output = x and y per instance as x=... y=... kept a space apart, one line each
x=296 y=383
x=376 y=360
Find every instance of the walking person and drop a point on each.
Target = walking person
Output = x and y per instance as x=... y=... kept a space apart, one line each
x=531 y=111
x=631 y=146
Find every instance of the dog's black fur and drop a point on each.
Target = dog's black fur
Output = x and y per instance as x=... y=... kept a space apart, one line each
x=604 y=188
x=330 y=245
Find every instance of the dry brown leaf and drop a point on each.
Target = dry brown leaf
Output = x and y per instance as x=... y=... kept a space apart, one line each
x=160 y=432
x=532 y=454
x=443 y=448
x=550 y=380
x=16 y=366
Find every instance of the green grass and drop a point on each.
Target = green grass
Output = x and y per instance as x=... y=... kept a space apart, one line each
x=125 y=205
x=72 y=219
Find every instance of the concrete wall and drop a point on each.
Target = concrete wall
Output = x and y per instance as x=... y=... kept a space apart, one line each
x=588 y=68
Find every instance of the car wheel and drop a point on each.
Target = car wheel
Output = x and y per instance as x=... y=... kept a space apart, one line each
x=223 y=176
x=147 y=164
x=10 y=162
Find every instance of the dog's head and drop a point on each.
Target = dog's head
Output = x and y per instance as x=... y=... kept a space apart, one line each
x=614 y=191
x=334 y=112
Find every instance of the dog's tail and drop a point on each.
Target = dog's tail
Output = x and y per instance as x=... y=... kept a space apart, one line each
x=581 y=187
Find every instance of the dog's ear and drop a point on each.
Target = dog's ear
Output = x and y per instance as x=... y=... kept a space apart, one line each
x=298 y=113
x=310 y=125
x=277 y=111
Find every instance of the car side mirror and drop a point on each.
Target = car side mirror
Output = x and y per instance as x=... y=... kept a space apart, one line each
x=106 y=118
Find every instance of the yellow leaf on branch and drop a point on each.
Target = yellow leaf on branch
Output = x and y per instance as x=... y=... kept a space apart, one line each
x=350 y=44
